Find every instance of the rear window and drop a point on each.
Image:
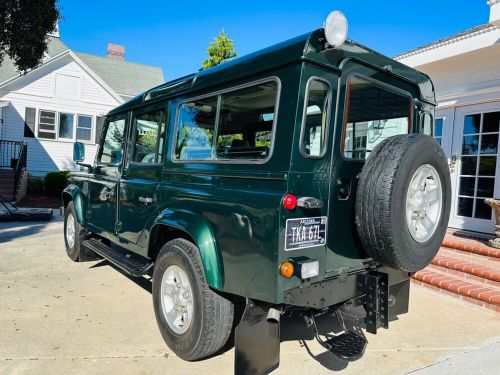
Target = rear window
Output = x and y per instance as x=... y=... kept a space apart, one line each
x=236 y=125
x=374 y=113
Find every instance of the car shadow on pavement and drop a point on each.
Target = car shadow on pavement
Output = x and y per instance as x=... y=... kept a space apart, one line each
x=13 y=230
x=293 y=327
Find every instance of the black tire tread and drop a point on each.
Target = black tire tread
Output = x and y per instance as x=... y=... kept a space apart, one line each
x=375 y=199
x=218 y=312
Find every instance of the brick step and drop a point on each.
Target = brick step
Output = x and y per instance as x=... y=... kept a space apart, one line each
x=468 y=290
x=479 y=269
x=471 y=246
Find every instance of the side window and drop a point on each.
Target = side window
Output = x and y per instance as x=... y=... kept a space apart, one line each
x=195 y=129
x=246 y=122
x=148 y=137
x=315 y=122
x=374 y=114
x=112 y=147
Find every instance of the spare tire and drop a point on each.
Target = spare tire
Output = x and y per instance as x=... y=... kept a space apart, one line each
x=403 y=201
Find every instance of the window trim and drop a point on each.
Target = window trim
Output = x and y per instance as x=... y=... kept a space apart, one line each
x=55 y=132
x=218 y=94
x=328 y=116
x=381 y=84
x=92 y=128
x=73 y=132
x=93 y=119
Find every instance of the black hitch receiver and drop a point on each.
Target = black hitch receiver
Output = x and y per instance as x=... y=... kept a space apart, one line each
x=257 y=339
x=377 y=301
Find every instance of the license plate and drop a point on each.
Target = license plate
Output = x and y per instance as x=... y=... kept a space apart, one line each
x=305 y=232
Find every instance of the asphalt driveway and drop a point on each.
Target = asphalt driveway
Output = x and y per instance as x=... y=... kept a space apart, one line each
x=60 y=317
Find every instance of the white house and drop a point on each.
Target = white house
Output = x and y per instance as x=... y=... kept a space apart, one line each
x=63 y=101
x=465 y=69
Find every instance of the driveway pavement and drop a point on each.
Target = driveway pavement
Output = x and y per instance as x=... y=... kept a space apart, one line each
x=60 y=317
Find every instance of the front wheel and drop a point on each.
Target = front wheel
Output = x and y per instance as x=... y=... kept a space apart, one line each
x=194 y=320
x=71 y=233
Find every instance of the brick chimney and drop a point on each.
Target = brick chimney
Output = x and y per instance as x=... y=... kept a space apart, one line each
x=494 y=12
x=116 y=51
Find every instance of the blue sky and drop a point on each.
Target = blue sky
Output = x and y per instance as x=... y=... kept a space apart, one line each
x=175 y=34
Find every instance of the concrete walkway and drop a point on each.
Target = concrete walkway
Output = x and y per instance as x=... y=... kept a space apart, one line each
x=60 y=317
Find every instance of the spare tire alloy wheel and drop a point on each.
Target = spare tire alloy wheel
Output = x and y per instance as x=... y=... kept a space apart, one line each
x=424 y=203
x=403 y=201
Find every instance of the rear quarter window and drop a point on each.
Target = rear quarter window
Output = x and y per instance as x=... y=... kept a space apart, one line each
x=374 y=113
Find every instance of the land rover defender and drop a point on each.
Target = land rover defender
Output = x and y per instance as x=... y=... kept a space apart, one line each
x=302 y=177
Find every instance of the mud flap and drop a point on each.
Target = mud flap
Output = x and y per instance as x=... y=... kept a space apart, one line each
x=257 y=340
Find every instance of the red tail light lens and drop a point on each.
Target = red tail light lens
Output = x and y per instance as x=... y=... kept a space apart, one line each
x=290 y=202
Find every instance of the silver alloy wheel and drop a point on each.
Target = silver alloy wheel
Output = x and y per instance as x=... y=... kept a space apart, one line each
x=424 y=202
x=176 y=299
x=70 y=231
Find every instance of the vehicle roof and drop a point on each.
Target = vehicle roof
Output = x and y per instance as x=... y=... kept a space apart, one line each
x=307 y=47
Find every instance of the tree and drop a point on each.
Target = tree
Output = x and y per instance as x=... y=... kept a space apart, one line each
x=24 y=25
x=221 y=49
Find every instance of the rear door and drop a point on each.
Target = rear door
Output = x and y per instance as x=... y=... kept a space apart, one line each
x=309 y=176
x=142 y=173
x=373 y=106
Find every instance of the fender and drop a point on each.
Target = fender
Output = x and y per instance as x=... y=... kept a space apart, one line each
x=73 y=193
x=199 y=229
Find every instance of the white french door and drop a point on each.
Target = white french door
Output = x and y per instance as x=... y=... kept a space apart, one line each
x=472 y=144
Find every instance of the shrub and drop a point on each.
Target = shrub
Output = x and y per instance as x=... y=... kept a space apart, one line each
x=35 y=185
x=55 y=182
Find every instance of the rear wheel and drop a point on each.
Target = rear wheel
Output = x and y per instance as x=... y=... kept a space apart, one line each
x=194 y=320
x=403 y=202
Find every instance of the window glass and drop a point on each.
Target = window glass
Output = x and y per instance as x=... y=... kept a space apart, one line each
x=246 y=122
x=148 y=130
x=195 y=129
x=316 y=118
x=438 y=130
x=111 y=151
x=374 y=114
x=47 y=124
x=66 y=125
x=84 y=128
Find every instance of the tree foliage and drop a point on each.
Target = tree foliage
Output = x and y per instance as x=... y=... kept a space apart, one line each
x=221 y=49
x=24 y=25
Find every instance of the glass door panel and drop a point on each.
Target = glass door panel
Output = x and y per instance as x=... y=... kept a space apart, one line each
x=478 y=164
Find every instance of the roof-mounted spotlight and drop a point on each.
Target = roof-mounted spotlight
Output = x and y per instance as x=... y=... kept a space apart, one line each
x=335 y=28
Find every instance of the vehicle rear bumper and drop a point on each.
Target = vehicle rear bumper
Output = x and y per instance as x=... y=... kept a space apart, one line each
x=354 y=288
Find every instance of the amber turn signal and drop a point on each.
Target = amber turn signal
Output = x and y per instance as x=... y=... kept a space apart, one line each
x=286 y=269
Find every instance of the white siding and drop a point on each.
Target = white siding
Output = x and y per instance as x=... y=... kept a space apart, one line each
x=37 y=90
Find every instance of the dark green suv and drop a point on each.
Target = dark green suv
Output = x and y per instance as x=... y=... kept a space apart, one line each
x=298 y=178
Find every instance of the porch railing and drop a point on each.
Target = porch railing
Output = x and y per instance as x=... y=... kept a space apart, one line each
x=13 y=155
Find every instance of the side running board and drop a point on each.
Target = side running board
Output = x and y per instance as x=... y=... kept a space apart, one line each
x=132 y=264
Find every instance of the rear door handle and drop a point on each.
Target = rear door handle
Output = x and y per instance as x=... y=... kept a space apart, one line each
x=146 y=200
